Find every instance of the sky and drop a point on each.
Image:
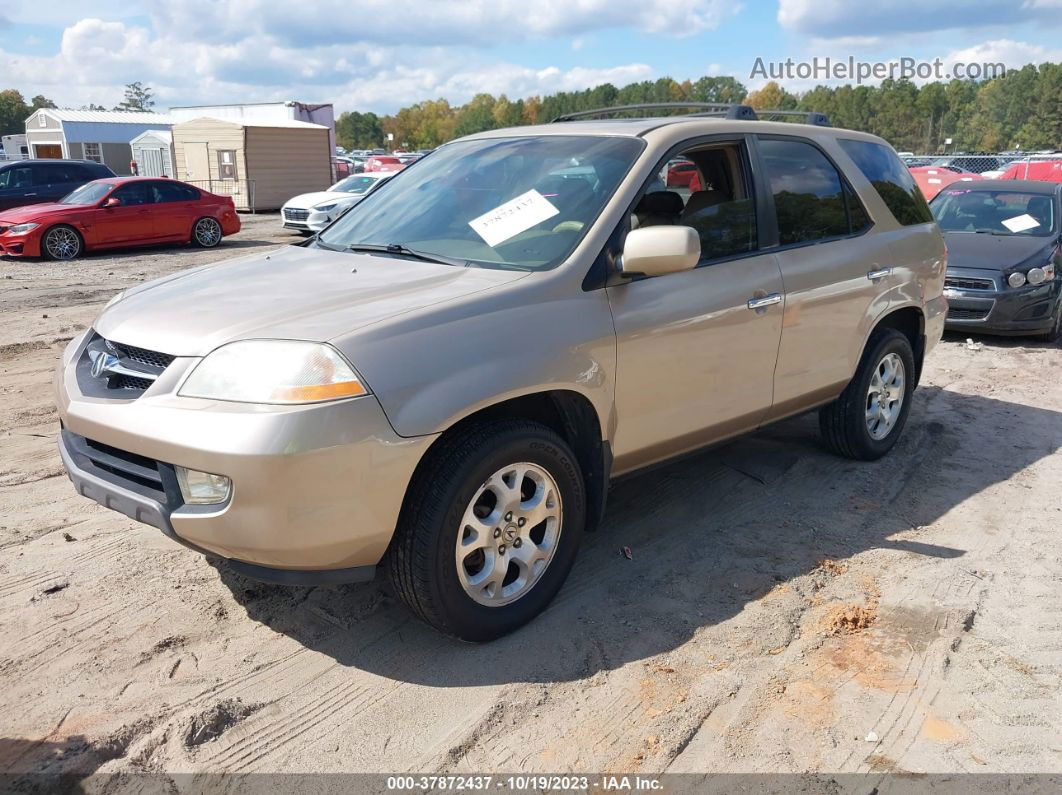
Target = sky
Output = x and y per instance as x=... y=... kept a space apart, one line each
x=380 y=55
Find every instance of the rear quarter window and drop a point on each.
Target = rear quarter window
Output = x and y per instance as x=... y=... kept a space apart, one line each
x=886 y=172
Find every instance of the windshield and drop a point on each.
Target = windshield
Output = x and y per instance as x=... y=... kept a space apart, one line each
x=87 y=194
x=498 y=202
x=996 y=212
x=356 y=184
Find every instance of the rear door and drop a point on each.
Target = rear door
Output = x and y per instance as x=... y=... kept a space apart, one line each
x=130 y=222
x=833 y=271
x=174 y=208
x=61 y=178
x=20 y=185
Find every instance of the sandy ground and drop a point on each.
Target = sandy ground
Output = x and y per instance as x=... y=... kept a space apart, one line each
x=783 y=610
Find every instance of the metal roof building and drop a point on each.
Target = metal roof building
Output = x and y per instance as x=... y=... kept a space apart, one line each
x=101 y=136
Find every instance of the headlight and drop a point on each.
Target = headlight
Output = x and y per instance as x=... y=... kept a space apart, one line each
x=274 y=371
x=1036 y=275
x=21 y=229
x=1016 y=279
x=325 y=207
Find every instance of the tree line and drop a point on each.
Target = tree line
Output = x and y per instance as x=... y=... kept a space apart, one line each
x=1022 y=110
x=14 y=110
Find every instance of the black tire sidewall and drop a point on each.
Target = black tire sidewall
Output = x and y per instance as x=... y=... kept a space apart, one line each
x=465 y=617
x=893 y=342
x=44 y=243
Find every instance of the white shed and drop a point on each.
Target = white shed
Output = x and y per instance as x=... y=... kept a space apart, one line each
x=153 y=153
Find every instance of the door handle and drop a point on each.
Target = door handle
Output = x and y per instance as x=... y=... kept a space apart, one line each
x=879 y=274
x=767 y=300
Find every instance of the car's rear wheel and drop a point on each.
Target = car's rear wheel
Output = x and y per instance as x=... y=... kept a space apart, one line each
x=489 y=530
x=206 y=233
x=867 y=419
x=61 y=243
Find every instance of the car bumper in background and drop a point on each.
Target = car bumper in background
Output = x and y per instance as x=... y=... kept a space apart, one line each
x=295 y=218
x=991 y=307
x=316 y=489
x=27 y=245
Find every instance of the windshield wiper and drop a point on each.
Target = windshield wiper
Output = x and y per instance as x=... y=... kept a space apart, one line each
x=405 y=251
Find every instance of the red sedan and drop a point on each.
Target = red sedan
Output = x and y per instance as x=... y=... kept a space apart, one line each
x=118 y=213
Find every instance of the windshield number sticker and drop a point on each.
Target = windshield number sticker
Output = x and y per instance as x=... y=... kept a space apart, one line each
x=1021 y=222
x=515 y=216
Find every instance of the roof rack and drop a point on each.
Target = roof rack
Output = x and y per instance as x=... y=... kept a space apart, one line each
x=724 y=110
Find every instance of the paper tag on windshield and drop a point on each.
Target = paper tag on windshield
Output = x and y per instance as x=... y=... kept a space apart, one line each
x=1020 y=223
x=515 y=216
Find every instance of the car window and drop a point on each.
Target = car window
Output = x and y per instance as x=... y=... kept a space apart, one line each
x=996 y=212
x=494 y=202
x=893 y=182
x=135 y=193
x=810 y=198
x=706 y=188
x=61 y=173
x=87 y=195
x=355 y=184
x=165 y=192
x=18 y=177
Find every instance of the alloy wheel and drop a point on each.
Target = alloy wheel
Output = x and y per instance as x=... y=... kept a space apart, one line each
x=885 y=396
x=62 y=244
x=508 y=534
x=207 y=232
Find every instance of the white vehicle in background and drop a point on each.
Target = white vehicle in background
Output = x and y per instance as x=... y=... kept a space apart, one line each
x=312 y=212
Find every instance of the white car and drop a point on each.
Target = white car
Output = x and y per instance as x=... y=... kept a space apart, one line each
x=312 y=212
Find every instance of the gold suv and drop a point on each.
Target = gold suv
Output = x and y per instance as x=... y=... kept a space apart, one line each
x=443 y=382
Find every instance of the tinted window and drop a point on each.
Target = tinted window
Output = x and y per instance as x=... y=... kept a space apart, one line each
x=135 y=193
x=809 y=196
x=997 y=212
x=64 y=173
x=858 y=218
x=173 y=192
x=18 y=177
x=893 y=182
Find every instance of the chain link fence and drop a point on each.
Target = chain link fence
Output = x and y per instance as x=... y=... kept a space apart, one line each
x=240 y=190
x=1000 y=165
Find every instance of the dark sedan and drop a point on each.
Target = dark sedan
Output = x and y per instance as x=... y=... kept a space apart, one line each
x=1004 y=257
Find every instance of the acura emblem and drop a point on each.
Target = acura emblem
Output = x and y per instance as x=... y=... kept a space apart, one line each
x=102 y=363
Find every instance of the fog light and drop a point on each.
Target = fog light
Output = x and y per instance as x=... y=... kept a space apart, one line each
x=1016 y=279
x=202 y=488
x=1036 y=275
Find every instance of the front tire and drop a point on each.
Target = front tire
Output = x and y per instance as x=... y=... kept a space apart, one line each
x=1056 y=329
x=490 y=529
x=62 y=243
x=866 y=421
x=206 y=233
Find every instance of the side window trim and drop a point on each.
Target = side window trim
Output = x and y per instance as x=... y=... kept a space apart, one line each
x=769 y=197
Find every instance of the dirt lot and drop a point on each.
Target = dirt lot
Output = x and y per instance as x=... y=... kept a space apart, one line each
x=782 y=610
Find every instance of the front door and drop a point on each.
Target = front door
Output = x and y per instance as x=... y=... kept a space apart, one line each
x=131 y=221
x=697 y=349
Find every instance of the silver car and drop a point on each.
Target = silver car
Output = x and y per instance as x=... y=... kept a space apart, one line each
x=442 y=384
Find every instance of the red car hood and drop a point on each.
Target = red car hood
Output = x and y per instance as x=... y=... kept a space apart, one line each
x=32 y=212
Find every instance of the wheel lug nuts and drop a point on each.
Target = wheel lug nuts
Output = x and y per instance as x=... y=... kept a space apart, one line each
x=522 y=522
x=501 y=549
x=517 y=542
x=497 y=532
x=509 y=516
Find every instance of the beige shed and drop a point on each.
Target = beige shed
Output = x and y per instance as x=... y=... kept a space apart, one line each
x=260 y=164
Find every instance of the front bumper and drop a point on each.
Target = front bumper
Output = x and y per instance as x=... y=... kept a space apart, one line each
x=316 y=489
x=27 y=245
x=993 y=307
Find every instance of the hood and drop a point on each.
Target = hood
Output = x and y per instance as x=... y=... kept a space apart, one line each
x=293 y=293
x=305 y=201
x=33 y=212
x=994 y=252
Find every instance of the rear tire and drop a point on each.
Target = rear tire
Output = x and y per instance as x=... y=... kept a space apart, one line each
x=62 y=243
x=867 y=419
x=461 y=558
x=206 y=232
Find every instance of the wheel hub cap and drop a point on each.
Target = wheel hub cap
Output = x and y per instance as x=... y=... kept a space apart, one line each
x=508 y=535
x=885 y=396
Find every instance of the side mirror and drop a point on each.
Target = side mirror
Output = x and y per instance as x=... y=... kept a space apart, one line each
x=114 y=201
x=658 y=250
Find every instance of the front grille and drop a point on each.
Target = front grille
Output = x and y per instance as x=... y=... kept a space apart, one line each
x=955 y=313
x=152 y=358
x=961 y=283
x=130 y=382
x=140 y=474
x=296 y=215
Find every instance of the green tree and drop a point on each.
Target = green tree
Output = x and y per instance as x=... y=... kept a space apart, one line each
x=771 y=97
x=717 y=89
x=13 y=112
x=137 y=97
x=359 y=131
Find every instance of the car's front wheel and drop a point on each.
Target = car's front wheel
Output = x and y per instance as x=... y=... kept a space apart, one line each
x=61 y=243
x=1056 y=327
x=490 y=529
x=867 y=419
x=206 y=233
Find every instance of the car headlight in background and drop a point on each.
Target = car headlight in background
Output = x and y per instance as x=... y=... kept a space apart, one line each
x=325 y=207
x=274 y=371
x=21 y=229
x=1032 y=276
x=1016 y=279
